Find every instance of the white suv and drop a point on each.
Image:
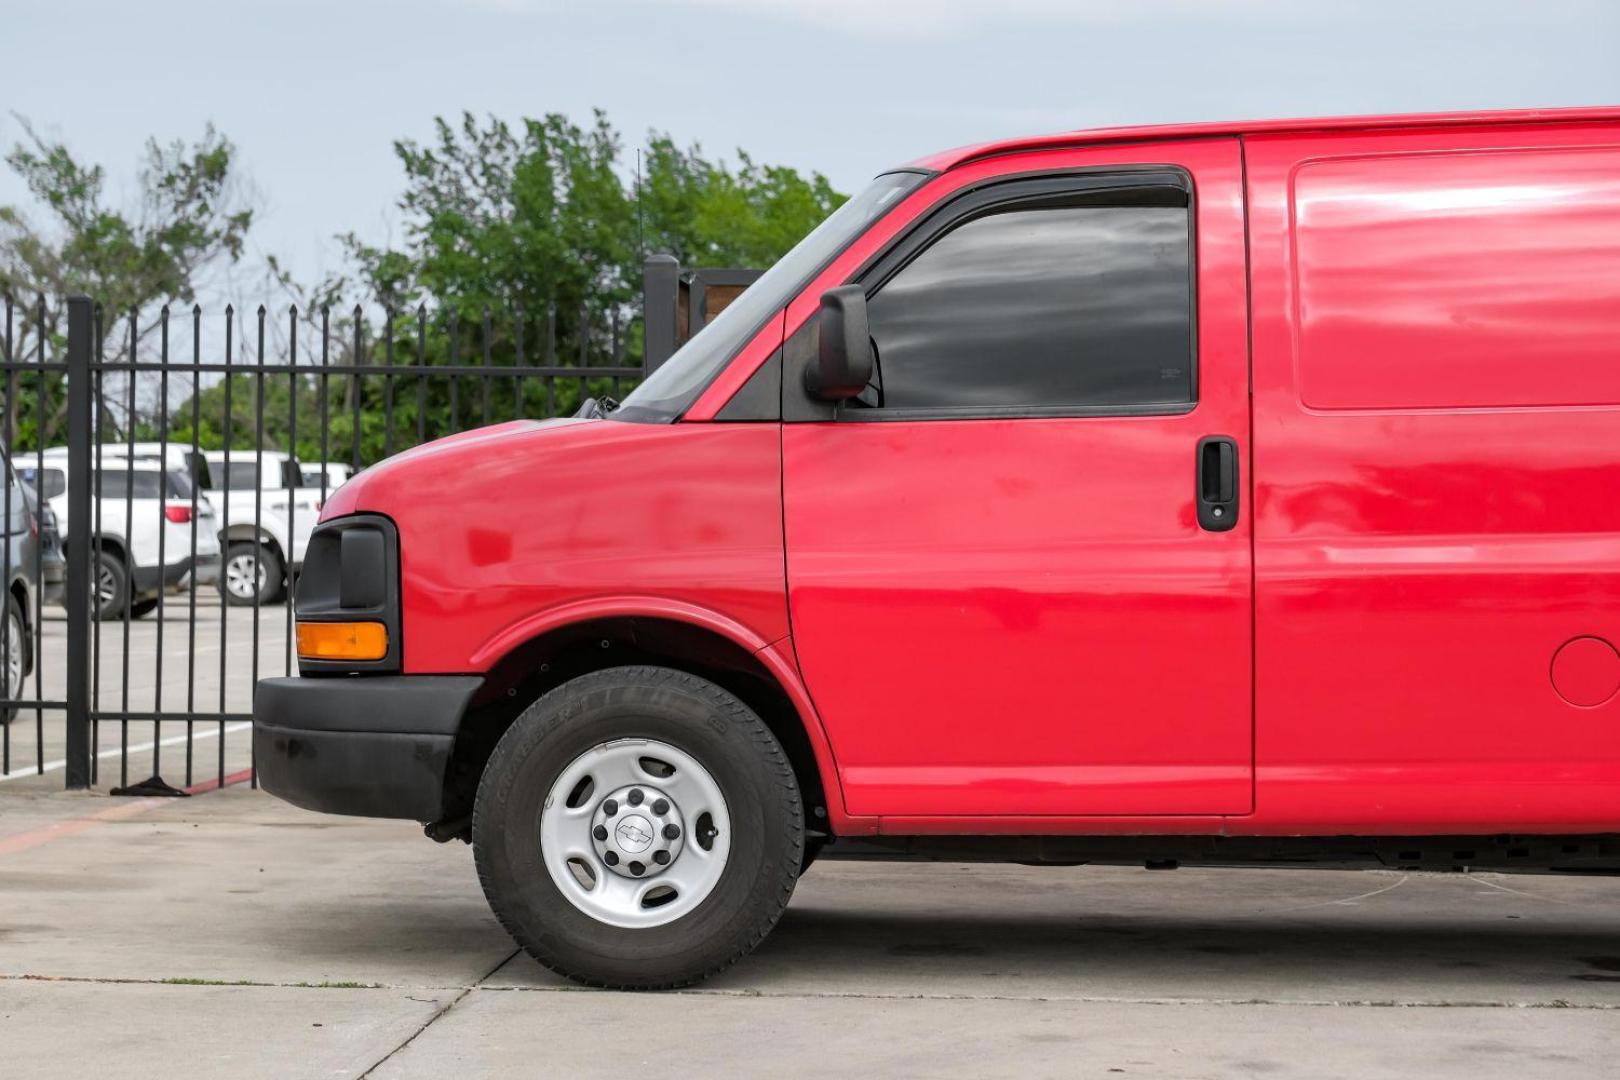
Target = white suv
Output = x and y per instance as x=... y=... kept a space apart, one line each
x=142 y=521
x=266 y=515
x=334 y=473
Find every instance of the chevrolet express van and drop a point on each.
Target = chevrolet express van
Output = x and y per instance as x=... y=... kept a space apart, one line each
x=1232 y=493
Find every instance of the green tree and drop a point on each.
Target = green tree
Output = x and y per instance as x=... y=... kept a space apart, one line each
x=512 y=218
x=537 y=231
x=191 y=217
x=548 y=215
x=705 y=214
x=520 y=240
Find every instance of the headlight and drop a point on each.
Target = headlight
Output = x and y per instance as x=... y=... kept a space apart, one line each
x=348 y=598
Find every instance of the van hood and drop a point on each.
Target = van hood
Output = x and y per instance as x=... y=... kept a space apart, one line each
x=466 y=449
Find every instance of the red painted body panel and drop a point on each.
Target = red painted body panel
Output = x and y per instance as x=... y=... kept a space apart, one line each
x=1419 y=563
x=568 y=521
x=574 y=519
x=1429 y=308
x=1022 y=616
x=1337 y=125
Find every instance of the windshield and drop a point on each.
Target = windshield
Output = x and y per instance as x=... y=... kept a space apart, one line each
x=671 y=389
x=245 y=474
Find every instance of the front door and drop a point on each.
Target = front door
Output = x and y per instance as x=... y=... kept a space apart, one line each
x=1019 y=565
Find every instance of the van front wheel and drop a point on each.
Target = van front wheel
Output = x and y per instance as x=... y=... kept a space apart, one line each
x=638 y=828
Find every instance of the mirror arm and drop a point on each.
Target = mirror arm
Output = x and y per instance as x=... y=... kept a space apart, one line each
x=843 y=364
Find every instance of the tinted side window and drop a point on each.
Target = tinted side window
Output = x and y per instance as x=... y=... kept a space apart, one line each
x=199 y=471
x=242 y=475
x=49 y=483
x=1070 y=304
x=179 y=484
x=116 y=483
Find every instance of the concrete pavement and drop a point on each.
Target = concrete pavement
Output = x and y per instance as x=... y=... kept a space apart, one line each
x=231 y=935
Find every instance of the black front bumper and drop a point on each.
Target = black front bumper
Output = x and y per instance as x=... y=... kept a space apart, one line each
x=373 y=745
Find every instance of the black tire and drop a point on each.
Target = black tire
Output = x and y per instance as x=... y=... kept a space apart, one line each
x=140 y=609
x=727 y=739
x=271 y=576
x=111 y=590
x=16 y=637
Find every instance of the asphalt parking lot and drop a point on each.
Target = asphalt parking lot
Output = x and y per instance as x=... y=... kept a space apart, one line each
x=232 y=935
x=206 y=668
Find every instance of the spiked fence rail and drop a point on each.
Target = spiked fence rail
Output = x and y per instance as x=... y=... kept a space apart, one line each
x=136 y=393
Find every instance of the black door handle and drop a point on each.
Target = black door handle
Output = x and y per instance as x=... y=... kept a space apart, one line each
x=1217 y=482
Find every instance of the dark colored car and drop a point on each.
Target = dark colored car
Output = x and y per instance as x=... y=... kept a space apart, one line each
x=52 y=558
x=24 y=564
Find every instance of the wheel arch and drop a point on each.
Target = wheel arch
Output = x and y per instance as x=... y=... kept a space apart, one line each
x=246 y=530
x=759 y=673
x=104 y=542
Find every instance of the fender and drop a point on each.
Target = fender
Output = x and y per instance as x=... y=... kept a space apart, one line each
x=775 y=656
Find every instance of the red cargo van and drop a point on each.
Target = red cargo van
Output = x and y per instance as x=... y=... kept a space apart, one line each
x=1233 y=493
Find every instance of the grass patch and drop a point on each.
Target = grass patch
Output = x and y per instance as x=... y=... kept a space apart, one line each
x=208 y=982
x=339 y=986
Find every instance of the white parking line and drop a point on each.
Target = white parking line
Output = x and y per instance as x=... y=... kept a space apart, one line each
x=210 y=732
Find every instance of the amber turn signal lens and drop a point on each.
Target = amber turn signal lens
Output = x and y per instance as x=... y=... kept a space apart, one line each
x=342 y=641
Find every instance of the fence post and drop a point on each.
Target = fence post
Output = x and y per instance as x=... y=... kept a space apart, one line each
x=660 y=285
x=80 y=348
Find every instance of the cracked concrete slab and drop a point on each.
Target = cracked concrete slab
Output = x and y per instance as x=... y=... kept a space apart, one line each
x=69 y=1030
x=1123 y=934
x=876 y=969
x=236 y=885
x=515 y=1033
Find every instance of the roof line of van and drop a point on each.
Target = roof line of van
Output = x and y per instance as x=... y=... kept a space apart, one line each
x=949 y=159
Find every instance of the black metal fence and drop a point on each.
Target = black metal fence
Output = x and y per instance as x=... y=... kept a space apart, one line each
x=182 y=458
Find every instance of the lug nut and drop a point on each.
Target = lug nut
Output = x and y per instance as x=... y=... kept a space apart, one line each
x=637 y=869
x=611 y=858
x=600 y=832
x=661 y=807
x=672 y=831
x=661 y=857
x=635 y=796
x=610 y=807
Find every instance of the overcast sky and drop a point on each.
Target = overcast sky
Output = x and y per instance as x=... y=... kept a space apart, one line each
x=313 y=93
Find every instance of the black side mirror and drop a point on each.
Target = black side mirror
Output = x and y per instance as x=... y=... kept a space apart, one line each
x=843 y=364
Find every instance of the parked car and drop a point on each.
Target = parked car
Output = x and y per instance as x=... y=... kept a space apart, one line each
x=19 y=636
x=142 y=522
x=52 y=559
x=268 y=514
x=329 y=475
x=1224 y=493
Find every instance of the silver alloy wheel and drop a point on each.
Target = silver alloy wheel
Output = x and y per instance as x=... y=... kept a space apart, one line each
x=635 y=833
x=14 y=655
x=106 y=587
x=244 y=575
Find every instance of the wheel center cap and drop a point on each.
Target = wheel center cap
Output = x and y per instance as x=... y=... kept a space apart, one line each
x=637 y=831
x=634 y=834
